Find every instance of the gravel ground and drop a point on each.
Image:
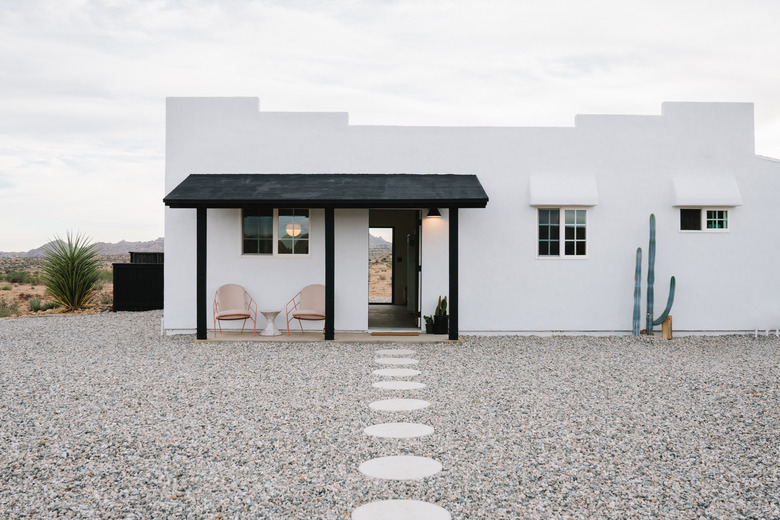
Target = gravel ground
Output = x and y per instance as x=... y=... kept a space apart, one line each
x=102 y=417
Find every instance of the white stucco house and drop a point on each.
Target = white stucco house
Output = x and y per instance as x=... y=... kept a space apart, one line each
x=539 y=226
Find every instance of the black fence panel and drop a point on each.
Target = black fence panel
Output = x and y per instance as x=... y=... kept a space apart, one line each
x=146 y=258
x=138 y=287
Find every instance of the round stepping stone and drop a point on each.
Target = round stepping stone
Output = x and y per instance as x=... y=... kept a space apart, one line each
x=400 y=467
x=396 y=361
x=399 y=430
x=396 y=372
x=406 y=509
x=398 y=385
x=394 y=352
x=399 y=405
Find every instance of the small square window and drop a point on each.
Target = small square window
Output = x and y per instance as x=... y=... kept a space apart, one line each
x=717 y=219
x=549 y=232
x=275 y=232
x=690 y=219
x=699 y=219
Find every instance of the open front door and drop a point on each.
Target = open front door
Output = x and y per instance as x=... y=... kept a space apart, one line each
x=394 y=274
x=413 y=275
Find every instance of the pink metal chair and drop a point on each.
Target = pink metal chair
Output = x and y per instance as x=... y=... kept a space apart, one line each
x=232 y=302
x=309 y=305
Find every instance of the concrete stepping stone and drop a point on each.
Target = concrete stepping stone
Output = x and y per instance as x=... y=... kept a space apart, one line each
x=399 y=430
x=400 y=467
x=399 y=405
x=394 y=352
x=396 y=361
x=396 y=372
x=396 y=509
x=398 y=385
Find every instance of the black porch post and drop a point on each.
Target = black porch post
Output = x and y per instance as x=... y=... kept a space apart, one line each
x=200 y=275
x=330 y=270
x=453 y=290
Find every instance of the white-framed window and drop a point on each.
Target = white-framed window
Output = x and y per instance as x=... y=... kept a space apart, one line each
x=278 y=232
x=572 y=242
x=704 y=219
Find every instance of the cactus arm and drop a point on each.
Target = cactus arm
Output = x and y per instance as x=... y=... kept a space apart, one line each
x=637 y=290
x=650 y=276
x=669 y=302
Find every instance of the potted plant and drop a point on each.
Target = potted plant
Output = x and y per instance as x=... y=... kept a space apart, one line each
x=440 y=318
x=428 y=324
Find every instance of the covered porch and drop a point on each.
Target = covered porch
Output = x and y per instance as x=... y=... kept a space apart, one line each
x=327 y=192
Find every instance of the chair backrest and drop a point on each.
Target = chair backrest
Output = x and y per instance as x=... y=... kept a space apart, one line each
x=231 y=296
x=313 y=298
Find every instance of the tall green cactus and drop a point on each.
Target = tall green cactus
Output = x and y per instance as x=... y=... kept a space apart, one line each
x=651 y=281
x=637 y=290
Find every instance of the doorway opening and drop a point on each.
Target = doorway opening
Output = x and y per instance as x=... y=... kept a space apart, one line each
x=380 y=265
x=393 y=270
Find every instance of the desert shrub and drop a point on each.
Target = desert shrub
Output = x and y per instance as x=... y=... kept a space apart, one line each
x=22 y=277
x=6 y=288
x=35 y=304
x=70 y=271
x=7 y=309
x=106 y=275
x=106 y=299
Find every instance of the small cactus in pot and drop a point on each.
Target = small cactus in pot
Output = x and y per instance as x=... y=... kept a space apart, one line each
x=440 y=318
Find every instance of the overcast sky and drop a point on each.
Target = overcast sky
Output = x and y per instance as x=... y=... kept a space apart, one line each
x=83 y=83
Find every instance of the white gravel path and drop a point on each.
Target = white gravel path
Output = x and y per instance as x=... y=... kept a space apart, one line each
x=101 y=417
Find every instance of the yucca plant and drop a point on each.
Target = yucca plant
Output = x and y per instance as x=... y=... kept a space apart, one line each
x=71 y=270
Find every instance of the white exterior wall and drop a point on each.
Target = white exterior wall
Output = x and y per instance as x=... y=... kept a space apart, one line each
x=725 y=281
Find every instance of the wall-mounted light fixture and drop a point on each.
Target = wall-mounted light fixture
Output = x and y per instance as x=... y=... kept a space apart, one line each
x=434 y=212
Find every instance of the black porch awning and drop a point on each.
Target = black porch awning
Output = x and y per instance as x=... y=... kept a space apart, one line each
x=326 y=190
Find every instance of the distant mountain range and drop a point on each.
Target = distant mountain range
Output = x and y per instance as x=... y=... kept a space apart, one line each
x=104 y=249
x=378 y=242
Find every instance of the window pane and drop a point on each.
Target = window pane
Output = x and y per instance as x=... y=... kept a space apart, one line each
x=690 y=219
x=265 y=247
x=549 y=231
x=257 y=227
x=285 y=247
x=717 y=219
x=293 y=231
x=302 y=247
x=555 y=248
x=575 y=232
x=250 y=247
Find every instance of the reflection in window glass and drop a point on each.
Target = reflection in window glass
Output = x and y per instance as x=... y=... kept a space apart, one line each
x=717 y=219
x=258 y=226
x=575 y=232
x=690 y=219
x=549 y=232
x=293 y=232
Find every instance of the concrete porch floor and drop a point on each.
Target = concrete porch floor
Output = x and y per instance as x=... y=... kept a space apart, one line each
x=318 y=337
x=392 y=320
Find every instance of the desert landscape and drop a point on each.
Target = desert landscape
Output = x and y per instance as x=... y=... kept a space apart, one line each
x=380 y=270
x=22 y=292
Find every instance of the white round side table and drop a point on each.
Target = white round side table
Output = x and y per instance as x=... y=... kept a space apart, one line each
x=270 y=325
